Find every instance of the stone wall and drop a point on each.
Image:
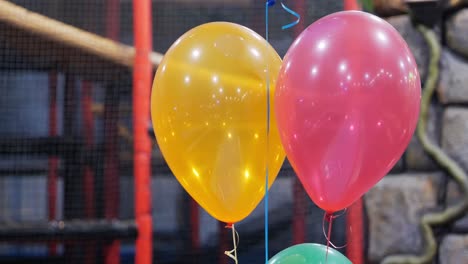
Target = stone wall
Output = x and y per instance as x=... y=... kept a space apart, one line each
x=418 y=184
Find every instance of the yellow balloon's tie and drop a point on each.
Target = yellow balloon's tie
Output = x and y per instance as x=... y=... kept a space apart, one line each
x=235 y=241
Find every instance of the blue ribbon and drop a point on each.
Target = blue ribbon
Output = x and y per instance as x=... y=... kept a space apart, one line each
x=290 y=11
x=268 y=4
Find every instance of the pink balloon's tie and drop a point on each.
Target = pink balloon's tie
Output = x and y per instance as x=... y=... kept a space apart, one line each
x=328 y=218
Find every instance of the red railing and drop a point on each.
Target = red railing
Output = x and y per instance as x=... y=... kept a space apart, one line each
x=111 y=115
x=142 y=75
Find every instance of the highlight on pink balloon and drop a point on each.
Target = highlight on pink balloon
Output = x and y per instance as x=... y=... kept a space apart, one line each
x=347 y=104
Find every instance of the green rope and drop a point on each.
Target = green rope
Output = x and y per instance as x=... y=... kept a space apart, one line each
x=450 y=214
x=367 y=5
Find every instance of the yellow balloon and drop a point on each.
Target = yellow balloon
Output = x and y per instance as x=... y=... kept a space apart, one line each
x=209 y=113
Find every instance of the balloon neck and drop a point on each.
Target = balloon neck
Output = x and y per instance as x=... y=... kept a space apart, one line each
x=229 y=225
x=329 y=216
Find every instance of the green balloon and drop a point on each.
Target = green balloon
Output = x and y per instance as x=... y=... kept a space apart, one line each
x=309 y=253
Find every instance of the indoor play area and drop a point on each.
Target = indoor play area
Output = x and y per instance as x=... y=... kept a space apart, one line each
x=221 y=131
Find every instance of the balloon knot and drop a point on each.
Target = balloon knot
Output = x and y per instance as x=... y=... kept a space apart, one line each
x=229 y=225
x=329 y=216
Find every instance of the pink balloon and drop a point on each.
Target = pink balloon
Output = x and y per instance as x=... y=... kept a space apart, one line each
x=347 y=104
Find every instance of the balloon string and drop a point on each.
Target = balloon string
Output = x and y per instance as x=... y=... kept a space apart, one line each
x=328 y=217
x=268 y=4
x=235 y=241
x=290 y=11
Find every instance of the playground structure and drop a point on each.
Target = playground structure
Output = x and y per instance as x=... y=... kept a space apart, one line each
x=44 y=44
x=90 y=157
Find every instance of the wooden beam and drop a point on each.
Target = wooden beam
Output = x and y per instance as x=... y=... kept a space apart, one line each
x=238 y=3
x=32 y=41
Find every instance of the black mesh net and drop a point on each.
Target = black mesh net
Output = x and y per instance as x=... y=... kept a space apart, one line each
x=66 y=158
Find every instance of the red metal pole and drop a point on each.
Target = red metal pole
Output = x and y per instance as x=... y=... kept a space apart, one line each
x=194 y=227
x=88 y=175
x=111 y=169
x=355 y=233
x=113 y=19
x=354 y=216
x=298 y=223
x=351 y=5
x=299 y=226
x=142 y=79
x=111 y=174
x=88 y=122
x=301 y=9
x=53 y=161
x=88 y=132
